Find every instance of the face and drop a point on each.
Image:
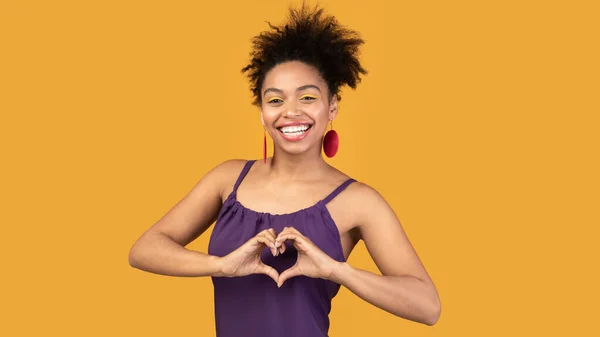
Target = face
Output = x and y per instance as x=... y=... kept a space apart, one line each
x=296 y=107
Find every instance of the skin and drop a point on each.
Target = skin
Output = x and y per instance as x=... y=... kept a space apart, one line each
x=297 y=177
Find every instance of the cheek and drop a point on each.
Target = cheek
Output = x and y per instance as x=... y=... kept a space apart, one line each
x=270 y=114
x=321 y=114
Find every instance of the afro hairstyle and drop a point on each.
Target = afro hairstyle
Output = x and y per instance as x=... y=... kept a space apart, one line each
x=314 y=38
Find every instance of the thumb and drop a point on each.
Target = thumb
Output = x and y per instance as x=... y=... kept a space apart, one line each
x=268 y=270
x=288 y=274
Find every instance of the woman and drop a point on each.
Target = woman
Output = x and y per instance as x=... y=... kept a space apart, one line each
x=286 y=225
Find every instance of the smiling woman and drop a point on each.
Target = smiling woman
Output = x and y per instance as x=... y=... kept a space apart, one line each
x=284 y=228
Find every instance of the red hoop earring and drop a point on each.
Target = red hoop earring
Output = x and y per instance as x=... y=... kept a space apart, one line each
x=331 y=142
x=264 y=145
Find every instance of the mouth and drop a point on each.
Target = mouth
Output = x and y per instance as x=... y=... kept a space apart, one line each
x=295 y=132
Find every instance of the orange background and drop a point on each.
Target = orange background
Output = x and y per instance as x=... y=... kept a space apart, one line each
x=478 y=122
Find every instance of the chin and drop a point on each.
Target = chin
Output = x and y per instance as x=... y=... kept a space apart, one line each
x=295 y=149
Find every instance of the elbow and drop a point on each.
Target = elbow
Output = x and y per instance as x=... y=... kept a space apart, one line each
x=141 y=250
x=433 y=318
x=133 y=257
x=137 y=250
x=434 y=313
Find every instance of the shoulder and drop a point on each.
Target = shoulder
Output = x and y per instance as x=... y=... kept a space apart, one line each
x=226 y=173
x=361 y=193
x=365 y=202
x=357 y=195
x=230 y=166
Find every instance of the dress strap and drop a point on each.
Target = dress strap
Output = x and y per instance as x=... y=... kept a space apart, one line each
x=338 y=190
x=245 y=170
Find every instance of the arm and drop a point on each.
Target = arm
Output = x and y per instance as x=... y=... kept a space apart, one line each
x=405 y=288
x=161 y=249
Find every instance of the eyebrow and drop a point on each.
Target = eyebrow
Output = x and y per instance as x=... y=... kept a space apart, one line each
x=297 y=89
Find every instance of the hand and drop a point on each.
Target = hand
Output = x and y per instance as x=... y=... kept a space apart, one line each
x=312 y=261
x=246 y=259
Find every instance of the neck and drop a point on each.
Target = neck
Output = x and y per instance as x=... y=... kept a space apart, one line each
x=307 y=165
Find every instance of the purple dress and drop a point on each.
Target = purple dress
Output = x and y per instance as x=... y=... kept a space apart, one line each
x=253 y=306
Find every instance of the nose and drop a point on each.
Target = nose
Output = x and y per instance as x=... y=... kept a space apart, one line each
x=292 y=110
x=292 y=113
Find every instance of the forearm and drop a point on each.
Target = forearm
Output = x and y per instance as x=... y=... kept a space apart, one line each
x=403 y=296
x=159 y=254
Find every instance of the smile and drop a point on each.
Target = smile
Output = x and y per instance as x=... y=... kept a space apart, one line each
x=295 y=132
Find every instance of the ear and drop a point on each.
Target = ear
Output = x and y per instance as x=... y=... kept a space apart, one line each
x=262 y=121
x=333 y=107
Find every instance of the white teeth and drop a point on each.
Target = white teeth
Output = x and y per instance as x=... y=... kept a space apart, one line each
x=294 y=129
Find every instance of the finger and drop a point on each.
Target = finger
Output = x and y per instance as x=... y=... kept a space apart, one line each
x=263 y=240
x=278 y=244
x=269 y=232
x=265 y=233
x=288 y=274
x=272 y=231
x=281 y=238
x=288 y=230
x=298 y=241
x=281 y=248
x=269 y=271
x=269 y=235
x=294 y=230
x=269 y=242
x=283 y=232
x=262 y=233
x=297 y=232
x=288 y=236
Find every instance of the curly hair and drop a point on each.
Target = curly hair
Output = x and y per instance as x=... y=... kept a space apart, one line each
x=314 y=38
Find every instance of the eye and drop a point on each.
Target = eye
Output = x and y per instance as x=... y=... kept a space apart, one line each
x=275 y=100
x=308 y=97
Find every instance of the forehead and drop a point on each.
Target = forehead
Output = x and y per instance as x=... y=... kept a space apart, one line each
x=291 y=75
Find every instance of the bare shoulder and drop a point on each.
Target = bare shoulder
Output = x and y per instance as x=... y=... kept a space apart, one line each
x=230 y=165
x=354 y=209
x=360 y=192
x=357 y=193
x=355 y=203
x=226 y=173
x=364 y=200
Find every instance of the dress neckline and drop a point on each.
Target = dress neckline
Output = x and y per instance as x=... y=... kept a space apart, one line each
x=233 y=197
x=319 y=204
